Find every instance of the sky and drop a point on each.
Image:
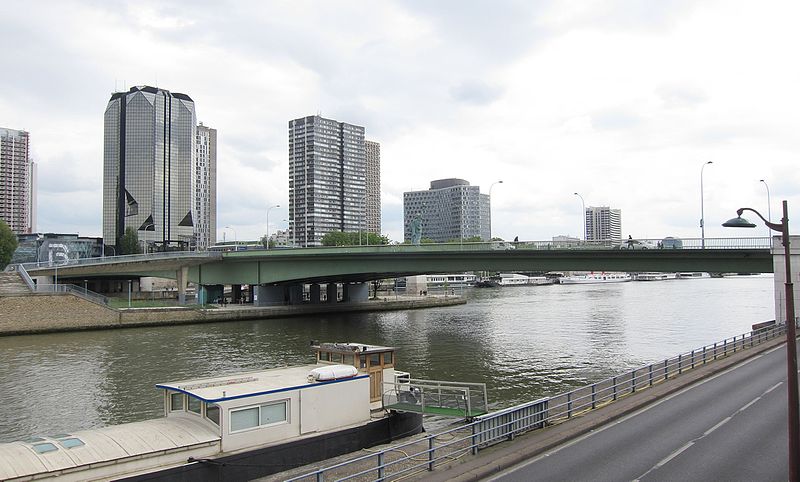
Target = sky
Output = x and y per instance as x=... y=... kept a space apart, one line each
x=622 y=101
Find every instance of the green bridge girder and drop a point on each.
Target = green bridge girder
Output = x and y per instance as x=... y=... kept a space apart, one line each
x=357 y=264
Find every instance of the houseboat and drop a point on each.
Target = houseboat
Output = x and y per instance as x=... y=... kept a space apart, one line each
x=233 y=427
x=593 y=278
x=516 y=279
x=653 y=276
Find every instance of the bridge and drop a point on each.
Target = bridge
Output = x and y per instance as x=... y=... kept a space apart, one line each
x=279 y=274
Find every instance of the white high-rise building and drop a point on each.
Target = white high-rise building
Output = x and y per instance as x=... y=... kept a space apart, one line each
x=17 y=181
x=149 y=167
x=373 y=199
x=327 y=179
x=205 y=186
x=450 y=210
x=603 y=224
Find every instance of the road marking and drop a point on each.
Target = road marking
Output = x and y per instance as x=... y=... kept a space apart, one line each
x=634 y=414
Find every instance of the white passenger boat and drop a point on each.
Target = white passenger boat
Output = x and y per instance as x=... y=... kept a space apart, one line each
x=594 y=277
x=233 y=427
x=515 y=279
x=652 y=276
x=692 y=275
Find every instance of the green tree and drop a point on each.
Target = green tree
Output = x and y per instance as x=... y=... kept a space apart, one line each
x=266 y=242
x=338 y=238
x=129 y=243
x=8 y=244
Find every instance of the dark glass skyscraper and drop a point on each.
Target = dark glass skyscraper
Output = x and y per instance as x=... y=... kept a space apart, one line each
x=148 y=158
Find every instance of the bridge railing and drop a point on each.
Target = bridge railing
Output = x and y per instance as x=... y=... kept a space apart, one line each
x=424 y=454
x=60 y=263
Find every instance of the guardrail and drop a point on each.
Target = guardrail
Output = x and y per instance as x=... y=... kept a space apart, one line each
x=117 y=259
x=436 y=397
x=72 y=289
x=400 y=461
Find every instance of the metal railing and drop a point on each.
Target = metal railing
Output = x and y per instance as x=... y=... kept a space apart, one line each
x=130 y=258
x=76 y=290
x=400 y=461
x=436 y=397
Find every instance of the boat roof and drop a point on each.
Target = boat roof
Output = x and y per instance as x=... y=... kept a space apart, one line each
x=52 y=453
x=350 y=347
x=249 y=384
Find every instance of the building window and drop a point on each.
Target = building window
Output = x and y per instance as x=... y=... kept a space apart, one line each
x=259 y=416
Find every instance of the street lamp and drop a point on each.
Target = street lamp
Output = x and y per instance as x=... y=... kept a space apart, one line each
x=769 y=210
x=583 y=205
x=268 y=210
x=702 y=215
x=791 y=332
x=235 y=241
x=490 y=206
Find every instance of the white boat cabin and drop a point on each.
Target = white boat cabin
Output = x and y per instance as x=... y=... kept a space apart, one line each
x=373 y=360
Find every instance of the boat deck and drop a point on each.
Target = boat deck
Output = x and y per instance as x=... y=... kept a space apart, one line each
x=434 y=410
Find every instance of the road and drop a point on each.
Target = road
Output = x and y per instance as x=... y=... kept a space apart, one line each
x=730 y=427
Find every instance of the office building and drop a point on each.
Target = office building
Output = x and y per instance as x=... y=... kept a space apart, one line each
x=603 y=224
x=373 y=200
x=148 y=167
x=450 y=210
x=17 y=181
x=327 y=179
x=205 y=187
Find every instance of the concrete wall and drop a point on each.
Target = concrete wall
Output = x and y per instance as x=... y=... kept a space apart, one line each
x=39 y=312
x=778 y=260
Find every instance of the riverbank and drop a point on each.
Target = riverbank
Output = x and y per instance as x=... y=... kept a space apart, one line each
x=35 y=313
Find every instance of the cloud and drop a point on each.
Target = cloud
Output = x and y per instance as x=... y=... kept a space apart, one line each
x=475 y=92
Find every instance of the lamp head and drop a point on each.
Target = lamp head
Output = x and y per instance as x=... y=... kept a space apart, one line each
x=738 y=222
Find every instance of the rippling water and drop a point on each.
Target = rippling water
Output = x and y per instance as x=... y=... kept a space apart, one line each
x=523 y=342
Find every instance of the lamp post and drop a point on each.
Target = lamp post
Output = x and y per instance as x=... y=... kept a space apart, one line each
x=268 y=210
x=769 y=210
x=490 y=206
x=791 y=332
x=235 y=241
x=583 y=205
x=702 y=214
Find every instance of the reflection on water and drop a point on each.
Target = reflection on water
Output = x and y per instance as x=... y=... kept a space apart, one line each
x=523 y=342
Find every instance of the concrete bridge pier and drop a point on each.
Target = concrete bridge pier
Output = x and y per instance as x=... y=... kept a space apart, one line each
x=236 y=293
x=182 y=276
x=268 y=295
x=209 y=293
x=295 y=294
x=314 y=293
x=332 y=292
x=356 y=292
x=779 y=267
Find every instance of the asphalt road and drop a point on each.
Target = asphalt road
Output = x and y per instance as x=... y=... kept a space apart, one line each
x=730 y=427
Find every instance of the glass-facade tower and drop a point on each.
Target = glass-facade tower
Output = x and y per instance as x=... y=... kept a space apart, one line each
x=148 y=161
x=450 y=210
x=327 y=179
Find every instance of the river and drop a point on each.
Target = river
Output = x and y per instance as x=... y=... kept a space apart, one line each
x=523 y=342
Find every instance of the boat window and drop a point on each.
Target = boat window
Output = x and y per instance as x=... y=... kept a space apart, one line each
x=44 y=448
x=273 y=413
x=212 y=413
x=336 y=357
x=258 y=416
x=324 y=356
x=375 y=360
x=363 y=361
x=244 y=419
x=71 y=442
x=175 y=401
x=387 y=358
x=349 y=360
x=194 y=405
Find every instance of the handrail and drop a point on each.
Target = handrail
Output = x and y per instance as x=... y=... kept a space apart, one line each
x=505 y=424
x=25 y=277
x=76 y=290
x=124 y=258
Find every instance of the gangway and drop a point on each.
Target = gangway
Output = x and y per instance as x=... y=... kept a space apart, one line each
x=435 y=397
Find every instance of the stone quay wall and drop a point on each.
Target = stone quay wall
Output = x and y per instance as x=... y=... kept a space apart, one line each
x=54 y=312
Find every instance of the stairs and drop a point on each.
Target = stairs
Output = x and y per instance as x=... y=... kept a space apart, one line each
x=12 y=283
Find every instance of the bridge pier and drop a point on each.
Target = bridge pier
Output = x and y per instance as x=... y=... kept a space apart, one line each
x=779 y=268
x=355 y=292
x=209 y=293
x=182 y=275
x=332 y=292
x=314 y=293
x=236 y=293
x=269 y=295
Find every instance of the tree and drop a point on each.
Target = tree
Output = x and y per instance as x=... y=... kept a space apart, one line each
x=267 y=242
x=8 y=244
x=129 y=243
x=338 y=238
x=376 y=285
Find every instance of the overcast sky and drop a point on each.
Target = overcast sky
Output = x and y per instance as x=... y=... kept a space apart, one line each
x=622 y=101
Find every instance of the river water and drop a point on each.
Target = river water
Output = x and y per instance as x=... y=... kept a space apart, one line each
x=523 y=342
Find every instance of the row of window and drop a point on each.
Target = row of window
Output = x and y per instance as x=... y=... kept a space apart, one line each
x=241 y=419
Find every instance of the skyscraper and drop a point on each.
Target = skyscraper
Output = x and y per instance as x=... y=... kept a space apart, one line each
x=603 y=224
x=17 y=181
x=327 y=185
x=205 y=186
x=148 y=164
x=450 y=210
x=373 y=201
